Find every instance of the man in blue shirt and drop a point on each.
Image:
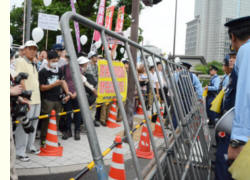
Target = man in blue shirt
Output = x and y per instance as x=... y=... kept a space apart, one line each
x=212 y=88
x=239 y=33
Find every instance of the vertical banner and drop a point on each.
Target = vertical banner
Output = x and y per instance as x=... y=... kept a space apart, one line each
x=99 y=19
x=77 y=31
x=109 y=17
x=119 y=23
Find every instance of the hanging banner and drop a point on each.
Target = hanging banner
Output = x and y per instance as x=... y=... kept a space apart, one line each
x=119 y=23
x=77 y=31
x=105 y=91
x=109 y=17
x=99 y=19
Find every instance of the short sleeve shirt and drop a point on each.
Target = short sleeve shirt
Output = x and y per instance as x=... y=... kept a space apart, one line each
x=47 y=77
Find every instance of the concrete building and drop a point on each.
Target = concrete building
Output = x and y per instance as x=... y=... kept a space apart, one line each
x=206 y=35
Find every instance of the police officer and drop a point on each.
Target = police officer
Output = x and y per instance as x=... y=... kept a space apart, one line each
x=239 y=33
x=195 y=81
x=222 y=138
x=212 y=88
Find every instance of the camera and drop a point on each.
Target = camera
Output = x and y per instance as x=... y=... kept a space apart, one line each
x=19 y=110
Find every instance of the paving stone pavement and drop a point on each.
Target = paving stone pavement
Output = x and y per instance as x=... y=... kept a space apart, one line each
x=76 y=154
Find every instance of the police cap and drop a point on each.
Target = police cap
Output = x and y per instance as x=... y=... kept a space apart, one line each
x=238 y=23
x=186 y=64
x=213 y=67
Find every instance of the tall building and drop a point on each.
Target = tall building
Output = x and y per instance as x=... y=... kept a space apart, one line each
x=206 y=35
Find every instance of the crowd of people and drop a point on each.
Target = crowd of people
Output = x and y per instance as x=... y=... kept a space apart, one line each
x=50 y=81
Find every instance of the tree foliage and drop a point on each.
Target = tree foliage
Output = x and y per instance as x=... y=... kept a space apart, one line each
x=205 y=68
x=87 y=8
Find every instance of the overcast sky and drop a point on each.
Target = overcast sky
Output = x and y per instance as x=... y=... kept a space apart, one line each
x=157 y=23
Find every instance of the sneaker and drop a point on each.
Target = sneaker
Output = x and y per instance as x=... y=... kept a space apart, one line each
x=23 y=158
x=65 y=136
x=77 y=135
x=34 y=151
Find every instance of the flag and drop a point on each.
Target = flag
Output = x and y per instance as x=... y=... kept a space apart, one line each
x=99 y=19
x=119 y=24
x=109 y=17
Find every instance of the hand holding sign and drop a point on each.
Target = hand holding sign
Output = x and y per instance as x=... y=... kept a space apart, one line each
x=37 y=34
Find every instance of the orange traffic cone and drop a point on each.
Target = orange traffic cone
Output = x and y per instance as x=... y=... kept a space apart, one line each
x=111 y=122
x=158 y=131
x=117 y=169
x=139 y=109
x=51 y=147
x=143 y=150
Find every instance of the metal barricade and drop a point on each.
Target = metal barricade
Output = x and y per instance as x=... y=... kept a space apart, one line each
x=184 y=154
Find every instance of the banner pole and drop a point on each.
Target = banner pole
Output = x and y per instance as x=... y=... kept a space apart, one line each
x=46 y=44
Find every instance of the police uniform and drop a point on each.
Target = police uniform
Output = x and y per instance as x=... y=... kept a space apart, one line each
x=239 y=79
x=213 y=88
x=223 y=139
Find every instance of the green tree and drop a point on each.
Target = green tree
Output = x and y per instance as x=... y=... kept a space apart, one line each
x=205 y=68
x=87 y=8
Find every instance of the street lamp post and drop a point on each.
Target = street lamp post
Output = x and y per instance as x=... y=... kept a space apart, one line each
x=176 y=3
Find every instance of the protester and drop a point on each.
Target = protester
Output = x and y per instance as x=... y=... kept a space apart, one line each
x=212 y=88
x=21 y=51
x=239 y=33
x=51 y=85
x=71 y=105
x=61 y=53
x=26 y=141
x=92 y=69
x=126 y=64
x=41 y=58
x=154 y=80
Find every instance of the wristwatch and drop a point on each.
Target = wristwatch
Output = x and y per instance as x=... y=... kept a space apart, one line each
x=235 y=143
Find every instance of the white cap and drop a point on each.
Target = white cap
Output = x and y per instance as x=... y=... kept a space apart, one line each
x=30 y=43
x=21 y=47
x=91 y=54
x=82 y=60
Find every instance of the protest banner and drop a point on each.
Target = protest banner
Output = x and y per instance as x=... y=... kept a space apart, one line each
x=119 y=24
x=105 y=90
x=47 y=21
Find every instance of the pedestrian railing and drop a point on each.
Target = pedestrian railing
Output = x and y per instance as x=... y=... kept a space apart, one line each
x=185 y=154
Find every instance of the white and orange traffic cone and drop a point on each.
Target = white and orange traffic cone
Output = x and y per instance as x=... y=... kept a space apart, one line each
x=51 y=147
x=117 y=168
x=111 y=122
x=139 y=109
x=144 y=150
x=158 y=130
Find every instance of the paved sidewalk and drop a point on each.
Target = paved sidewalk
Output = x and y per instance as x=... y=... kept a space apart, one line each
x=76 y=154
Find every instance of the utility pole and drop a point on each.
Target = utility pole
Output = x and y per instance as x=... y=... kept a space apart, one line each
x=175 y=21
x=28 y=19
x=130 y=103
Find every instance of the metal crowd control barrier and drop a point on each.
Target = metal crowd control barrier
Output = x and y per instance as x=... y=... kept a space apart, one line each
x=184 y=155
